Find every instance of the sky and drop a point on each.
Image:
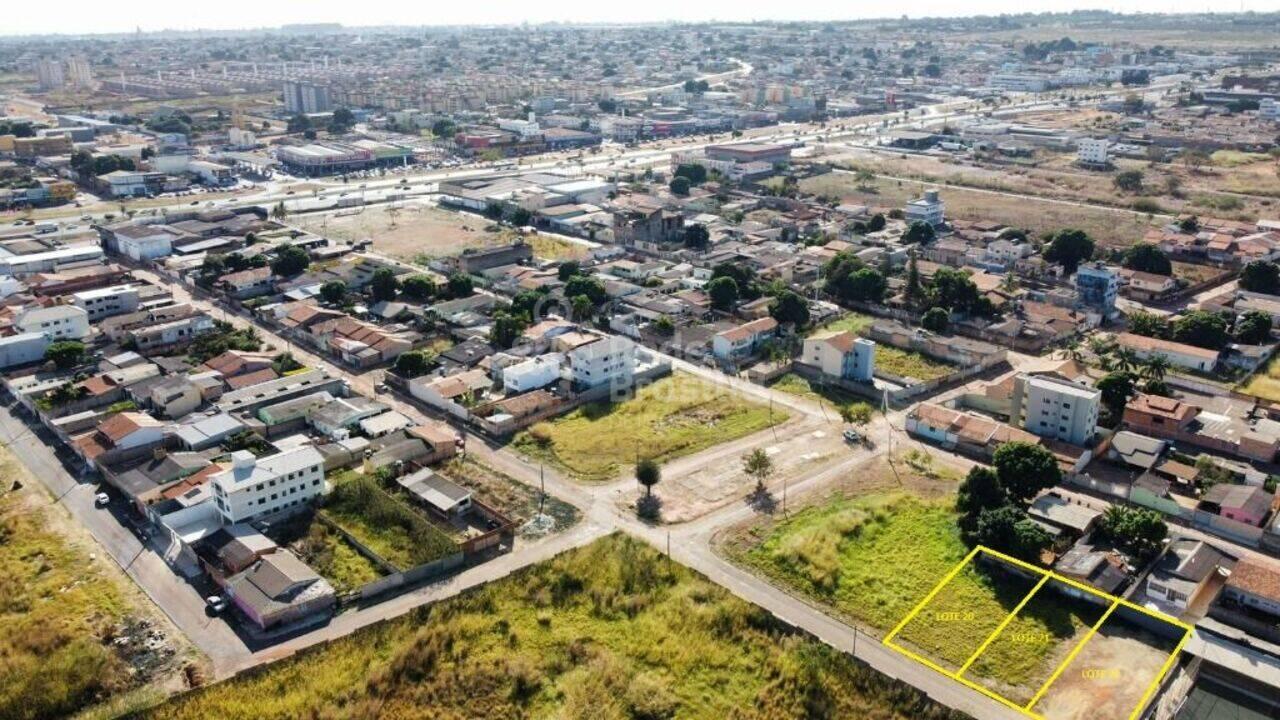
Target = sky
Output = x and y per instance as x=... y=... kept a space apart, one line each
x=96 y=16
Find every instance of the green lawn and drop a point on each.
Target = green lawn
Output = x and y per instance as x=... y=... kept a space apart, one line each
x=873 y=559
x=398 y=533
x=611 y=631
x=676 y=416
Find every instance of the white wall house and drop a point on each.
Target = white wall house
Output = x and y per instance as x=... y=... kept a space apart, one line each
x=105 y=302
x=532 y=374
x=843 y=355
x=257 y=486
x=59 y=322
x=22 y=349
x=610 y=360
x=143 y=242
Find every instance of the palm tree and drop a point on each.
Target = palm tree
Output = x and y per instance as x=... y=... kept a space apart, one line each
x=1125 y=359
x=758 y=465
x=1155 y=368
x=1071 y=349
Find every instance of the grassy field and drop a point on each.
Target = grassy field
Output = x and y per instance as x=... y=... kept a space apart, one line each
x=398 y=533
x=676 y=416
x=555 y=248
x=611 y=631
x=907 y=363
x=408 y=231
x=874 y=558
x=329 y=554
x=1107 y=225
x=61 y=609
x=1265 y=383
x=795 y=385
x=856 y=322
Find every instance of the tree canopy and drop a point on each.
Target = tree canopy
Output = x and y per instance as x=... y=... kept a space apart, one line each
x=1148 y=258
x=1069 y=248
x=1025 y=469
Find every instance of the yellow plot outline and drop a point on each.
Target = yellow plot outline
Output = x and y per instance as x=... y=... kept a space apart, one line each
x=1046 y=576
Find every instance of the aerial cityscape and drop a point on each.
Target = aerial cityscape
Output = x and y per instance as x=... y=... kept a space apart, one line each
x=912 y=368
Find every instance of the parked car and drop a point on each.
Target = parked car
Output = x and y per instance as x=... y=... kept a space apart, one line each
x=852 y=436
x=102 y=499
x=216 y=603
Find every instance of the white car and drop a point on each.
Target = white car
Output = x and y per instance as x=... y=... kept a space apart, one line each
x=102 y=499
x=216 y=603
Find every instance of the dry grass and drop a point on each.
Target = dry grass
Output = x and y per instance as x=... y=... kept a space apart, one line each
x=410 y=230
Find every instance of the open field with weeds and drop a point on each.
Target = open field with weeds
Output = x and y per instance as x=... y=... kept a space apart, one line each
x=396 y=532
x=516 y=500
x=793 y=384
x=62 y=613
x=1265 y=383
x=335 y=559
x=409 y=230
x=610 y=631
x=676 y=416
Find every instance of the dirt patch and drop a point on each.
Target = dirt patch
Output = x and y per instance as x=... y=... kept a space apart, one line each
x=1108 y=678
x=408 y=231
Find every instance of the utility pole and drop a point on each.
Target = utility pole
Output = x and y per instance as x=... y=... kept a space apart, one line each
x=542 y=481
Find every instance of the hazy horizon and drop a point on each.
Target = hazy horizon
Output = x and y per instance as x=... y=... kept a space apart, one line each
x=84 y=18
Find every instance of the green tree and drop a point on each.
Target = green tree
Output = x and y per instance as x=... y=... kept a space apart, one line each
x=418 y=287
x=1261 y=276
x=65 y=353
x=341 y=121
x=757 y=464
x=788 y=307
x=1148 y=324
x=1116 y=388
x=954 y=289
x=696 y=174
x=1025 y=469
x=568 y=269
x=505 y=330
x=914 y=289
x=582 y=308
x=696 y=236
x=1148 y=258
x=1155 y=367
x=459 y=285
x=1129 y=181
x=384 y=285
x=298 y=123
x=592 y=288
x=290 y=260
x=413 y=363
x=333 y=292
x=723 y=292
x=664 y=325
x=1140 y=531
x=1253 y=328
x=920 y=233
x=980 y=490
x=741 y=274
x=936 y=319
x=1009 y=530
x=648 y=474
x=856 y=413
x=1069 y=248
x=679 y=186
x=1202 y=329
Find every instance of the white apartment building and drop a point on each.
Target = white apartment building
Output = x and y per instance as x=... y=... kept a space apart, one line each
x=143 y=242
x=1093 y=152
x=1058 y=408
x=254 y=487
x=610 y=360
x=59 y=322
x=1269 y=109
x=532 y=374
x=101 y=303
x=929 y=209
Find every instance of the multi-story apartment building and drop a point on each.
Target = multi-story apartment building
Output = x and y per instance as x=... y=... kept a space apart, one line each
x=1097 y=287
x=105 y=302
x=843 y=355
x=929 y=209
x=306 y=98
x=1057 y=408
x=254 y=486
x=59 y=322
x=610 y=360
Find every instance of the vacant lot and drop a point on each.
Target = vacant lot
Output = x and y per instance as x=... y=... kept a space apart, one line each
x=675 y=416
x=857 y=322
x=1265 y=383
x=871 y=558
x=412 y=230
x=896 y=361
x=1109 y=676
x=515 y=499
x=1108 y=226
x=327 y=552
x=70 y=622
x=398 y=533
x=795 y=385
x=606 y=632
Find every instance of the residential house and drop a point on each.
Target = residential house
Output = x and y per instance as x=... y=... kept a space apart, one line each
x=1188 y=357
x=744 y=340
x=441 y=495
x=1184 y=570
x=453 y=393
x=534 y=373
x=249 y=283
x=121 y=436
x=1255 y=584
x=1243 y=503
x=280 y=589
x=611 y=361
x=59 y=322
